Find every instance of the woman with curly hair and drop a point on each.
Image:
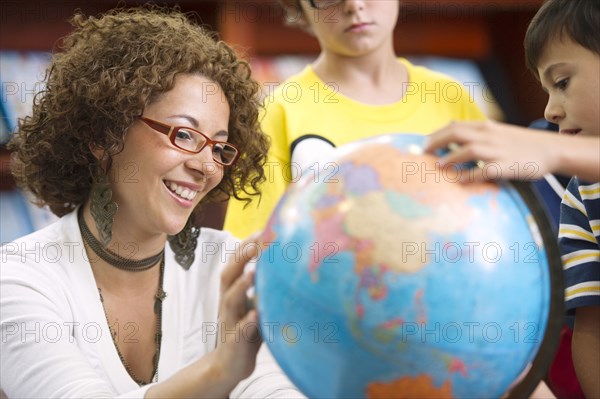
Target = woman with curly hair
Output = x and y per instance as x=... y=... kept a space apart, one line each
x=144 y=117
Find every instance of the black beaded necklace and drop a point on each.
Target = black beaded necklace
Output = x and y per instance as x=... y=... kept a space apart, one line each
x=130 y=265
x=110 y=257
x=159 y=298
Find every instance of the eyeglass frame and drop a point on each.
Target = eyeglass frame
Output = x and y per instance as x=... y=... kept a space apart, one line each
x=171 y=132
x=334 y=3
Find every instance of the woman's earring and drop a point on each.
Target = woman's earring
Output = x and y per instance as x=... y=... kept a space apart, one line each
x=103 y=208
x=184 y=244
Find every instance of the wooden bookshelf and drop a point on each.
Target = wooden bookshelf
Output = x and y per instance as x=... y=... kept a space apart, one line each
x=479 y=30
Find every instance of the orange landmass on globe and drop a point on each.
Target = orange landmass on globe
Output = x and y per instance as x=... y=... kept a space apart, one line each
x=410 y=387
x=420 y=177
x=330 y=236
x=387 y=226
x=417 y=182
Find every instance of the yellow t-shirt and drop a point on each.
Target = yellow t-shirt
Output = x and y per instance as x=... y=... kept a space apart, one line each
x=304 y=107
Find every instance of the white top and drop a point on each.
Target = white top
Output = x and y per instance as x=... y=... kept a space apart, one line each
x=55 y=338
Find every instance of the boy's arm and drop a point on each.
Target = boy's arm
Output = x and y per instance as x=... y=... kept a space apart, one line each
x=579 y=156
x=542 y=392
x=586 y=349
x=518 y=153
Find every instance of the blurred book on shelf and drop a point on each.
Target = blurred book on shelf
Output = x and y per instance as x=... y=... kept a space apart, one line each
x=21 y=75
x=4 y=130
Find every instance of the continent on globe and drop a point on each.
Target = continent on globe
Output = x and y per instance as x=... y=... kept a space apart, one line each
x=392 y=279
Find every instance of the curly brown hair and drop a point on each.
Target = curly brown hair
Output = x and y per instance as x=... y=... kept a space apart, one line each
x=110 y=68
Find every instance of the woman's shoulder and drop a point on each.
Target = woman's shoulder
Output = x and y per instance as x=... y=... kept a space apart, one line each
x=46 y=260
x=47 y=245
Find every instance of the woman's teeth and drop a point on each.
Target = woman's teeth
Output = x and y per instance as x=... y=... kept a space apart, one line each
x=183 y=192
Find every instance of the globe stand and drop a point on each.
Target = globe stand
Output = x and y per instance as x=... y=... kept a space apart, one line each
x=547 y=350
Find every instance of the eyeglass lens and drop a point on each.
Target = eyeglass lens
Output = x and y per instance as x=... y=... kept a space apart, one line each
x=194 y=141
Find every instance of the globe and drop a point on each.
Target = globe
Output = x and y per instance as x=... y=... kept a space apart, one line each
x=382 y=276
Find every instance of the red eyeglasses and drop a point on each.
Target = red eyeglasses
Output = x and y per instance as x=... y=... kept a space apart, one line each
x=193 y=141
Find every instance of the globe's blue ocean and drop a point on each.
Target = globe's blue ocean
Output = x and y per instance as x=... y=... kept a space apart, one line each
x=391 y=279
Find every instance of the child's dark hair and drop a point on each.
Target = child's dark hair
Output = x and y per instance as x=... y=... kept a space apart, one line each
x=578 y=19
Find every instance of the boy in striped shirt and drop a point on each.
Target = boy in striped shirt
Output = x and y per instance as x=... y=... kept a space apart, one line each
x=562 y=48
x=568 y=65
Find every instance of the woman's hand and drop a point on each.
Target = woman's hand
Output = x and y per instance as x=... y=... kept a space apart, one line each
x=218 y=372
x=239 y=336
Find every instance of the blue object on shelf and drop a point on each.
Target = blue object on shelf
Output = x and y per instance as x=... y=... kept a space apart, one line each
x=19 y=217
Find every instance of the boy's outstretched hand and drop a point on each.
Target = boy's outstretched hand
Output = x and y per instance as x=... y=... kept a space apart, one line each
x=507 y=152
x=501 y=151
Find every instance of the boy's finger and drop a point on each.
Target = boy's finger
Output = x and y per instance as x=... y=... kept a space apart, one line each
x=437 y=140
x=473 y=175
x=457 y=156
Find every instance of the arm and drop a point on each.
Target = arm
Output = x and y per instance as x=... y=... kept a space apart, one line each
x=48 y=351
x=267 y=381
x=217 y=373
x=42 y=355
x=519 y=153
x=542 y=392
x=586 y=349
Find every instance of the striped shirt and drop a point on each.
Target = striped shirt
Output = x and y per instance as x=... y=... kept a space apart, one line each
x=579 y=239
